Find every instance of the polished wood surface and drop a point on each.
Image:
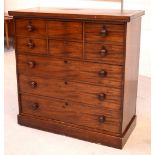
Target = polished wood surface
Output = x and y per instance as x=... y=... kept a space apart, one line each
x=77 y=72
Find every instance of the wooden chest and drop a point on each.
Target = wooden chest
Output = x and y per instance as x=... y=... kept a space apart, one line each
x=77 y=72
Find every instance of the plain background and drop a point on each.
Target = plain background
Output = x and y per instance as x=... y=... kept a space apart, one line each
x=146 y=57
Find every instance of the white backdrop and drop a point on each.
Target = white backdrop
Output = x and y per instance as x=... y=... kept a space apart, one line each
x=145 y=64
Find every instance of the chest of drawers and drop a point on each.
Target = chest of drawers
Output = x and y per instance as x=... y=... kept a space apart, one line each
x=77 y=72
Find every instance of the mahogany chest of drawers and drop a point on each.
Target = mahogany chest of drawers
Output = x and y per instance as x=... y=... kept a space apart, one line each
x=77 y=72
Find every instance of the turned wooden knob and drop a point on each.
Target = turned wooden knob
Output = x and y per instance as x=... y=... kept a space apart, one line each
x=33 y=84
x=101 y=119
x=30 y=44
x=101 y=96
x=35 y=106
x=103 y=32
x=30 y=28
x=31 y=64
x=103 y=52
x=102 y=73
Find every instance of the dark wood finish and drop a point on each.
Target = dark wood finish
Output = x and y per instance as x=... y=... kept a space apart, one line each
x=31 y=45
x=61 y=48
x=77 y=72
x=105 y=33
x=64 y=30
x=100 y=74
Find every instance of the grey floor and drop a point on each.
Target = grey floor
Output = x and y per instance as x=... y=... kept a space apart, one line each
x=21 y=140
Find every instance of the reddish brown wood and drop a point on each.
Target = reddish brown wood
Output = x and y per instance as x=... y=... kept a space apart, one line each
x=71 y=70
x=77 y=72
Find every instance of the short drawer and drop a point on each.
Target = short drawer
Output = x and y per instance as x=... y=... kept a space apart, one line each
x=31 y=45
x=73 y=91
x=105 y=33
x=110 y=54
x=100 y=74
x=30 y=27
x=61 y=48
x=65 y=30
x=72 y=112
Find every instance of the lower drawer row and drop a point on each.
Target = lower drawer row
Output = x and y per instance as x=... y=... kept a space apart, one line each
x=76 y=113
x=63 y=89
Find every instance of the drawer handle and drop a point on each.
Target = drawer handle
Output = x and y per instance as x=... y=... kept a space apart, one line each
x=30 y=28
x=101 y=119
x=101 y=96
x=66 y=61
x=35 y=106
x=33 y=84
x=30 y=44
x=31 y=64
x=102 y=73
x=103 y=32
x=103 y=52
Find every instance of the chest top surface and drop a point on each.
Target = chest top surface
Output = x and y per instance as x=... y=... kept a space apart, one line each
x=77 y=13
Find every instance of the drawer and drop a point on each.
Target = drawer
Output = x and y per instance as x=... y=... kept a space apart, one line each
x=105 y=33
x=65 y=30
x=30 y=27
x=69 y=90
x=100 y=74
x=65 y=49
x=31 y=45
x=99 y=52
x=72 y=112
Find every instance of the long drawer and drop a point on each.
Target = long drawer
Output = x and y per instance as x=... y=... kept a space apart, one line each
x=73 y=91
x=72 y=112
x=100 y=74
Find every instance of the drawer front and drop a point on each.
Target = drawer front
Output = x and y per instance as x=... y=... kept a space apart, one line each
x=99 y=52
x=100 y=74
x=31 y=45
x=72 y=112
x=73 y=91
x=106 y=33
x=65 y=30
x=65 y=48
x=30 y=27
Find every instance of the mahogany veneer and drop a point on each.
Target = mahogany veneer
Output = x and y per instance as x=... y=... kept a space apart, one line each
x=77 y=72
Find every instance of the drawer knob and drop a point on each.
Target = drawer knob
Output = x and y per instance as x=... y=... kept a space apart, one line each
x=101 y=119
x=65 y=82
x=30 y=44
x=103 y=32
x=33 y=84
x=30 y=28
x=101 y=96
x=66 y=61
x=102 y=73
x=103 y=52
x=35 y=106
x=31 y=64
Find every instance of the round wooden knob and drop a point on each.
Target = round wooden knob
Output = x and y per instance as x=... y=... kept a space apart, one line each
x=33 y=84
x=103 y=52
x=35 y=106
x=102 y=73
x=66 y=61
x=101 y=119
x=29 y=28
x=30 y=44
x=101 y=96
x=65 y=82
x=103 y=32
x=31 y=64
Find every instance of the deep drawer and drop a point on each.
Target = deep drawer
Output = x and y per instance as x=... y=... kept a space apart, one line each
x=30 y=27
x=65 y=30
x=100 y=74
x=104 y=53
x=31 y=45
x=73 y=91
x=72 y=112
x=61 y=48
x=105 y=33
